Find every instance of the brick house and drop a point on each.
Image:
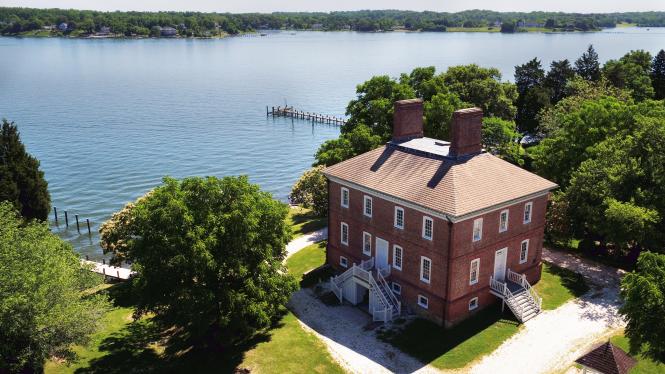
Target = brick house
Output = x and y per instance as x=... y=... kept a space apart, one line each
x=442 y=228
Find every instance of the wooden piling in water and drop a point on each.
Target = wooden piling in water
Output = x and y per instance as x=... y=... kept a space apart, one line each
x=55 y=213
x=87 y=221
x=77 y=223
x=66 y=219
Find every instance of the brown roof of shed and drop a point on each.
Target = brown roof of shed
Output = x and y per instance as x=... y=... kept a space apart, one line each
x=608 y=359
x=452 y=186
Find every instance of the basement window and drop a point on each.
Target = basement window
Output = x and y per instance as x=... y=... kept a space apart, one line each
x=473 y=303
x=423 y=301
x=397 y=289
x=343 y=262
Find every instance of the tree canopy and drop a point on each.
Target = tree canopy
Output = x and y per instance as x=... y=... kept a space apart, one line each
x=208 y=255
x=21 y=181
x=43 y=311
x=311 y=191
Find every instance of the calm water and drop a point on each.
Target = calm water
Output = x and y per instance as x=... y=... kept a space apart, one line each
x=109 y=118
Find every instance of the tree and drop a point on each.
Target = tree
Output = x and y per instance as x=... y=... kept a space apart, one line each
x=42 y=309
x=208 y=255
x=439 y=114
x=509 y=27
x=311 y=191
x=533 y=95
x=587 y=66
x=21 y=181
x=500 y=137
x=658 y=75
x=631 y=72
x=359 y=140
x=561 y=72
x=643 y=294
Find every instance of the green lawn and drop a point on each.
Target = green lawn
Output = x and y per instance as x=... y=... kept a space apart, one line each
x=644 y=365
x=457 y=347
x=558 y=285
x=303 y=221
x=307 y=259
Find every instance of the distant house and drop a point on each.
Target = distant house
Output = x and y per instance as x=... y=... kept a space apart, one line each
x=443 y=229
x=63 y=26
x=317 y=26
x=346 y=27
x=49 y=27
x=104 y=30
x=497 y=24
x=168 y=31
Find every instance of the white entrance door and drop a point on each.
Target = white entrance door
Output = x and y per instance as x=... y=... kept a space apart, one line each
x=381 y=253
x=500 y=264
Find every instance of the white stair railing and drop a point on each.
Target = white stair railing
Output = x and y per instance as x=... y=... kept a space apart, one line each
x=522 y=281
x=396 y=304
x=385 y=310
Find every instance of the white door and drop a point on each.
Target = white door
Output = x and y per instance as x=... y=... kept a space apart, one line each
x=381 y=253
x=500 y=264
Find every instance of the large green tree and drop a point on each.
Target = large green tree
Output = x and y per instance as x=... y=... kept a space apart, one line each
x=658 y=75
x=43 y=311
x=21 y=181
x=587 y=66
x=311 y=191
x=534 y=96
x=643 y=293
x=631 y=72
x=208 y=255
x=561 y=72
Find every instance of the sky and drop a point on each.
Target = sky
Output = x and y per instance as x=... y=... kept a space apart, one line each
x=242 y=6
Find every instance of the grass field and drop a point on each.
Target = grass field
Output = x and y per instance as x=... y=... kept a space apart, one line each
x=558 y=285
x=307 y=259
x=303 y=221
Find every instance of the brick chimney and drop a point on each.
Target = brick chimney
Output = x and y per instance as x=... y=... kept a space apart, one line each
x=465 y=132
x=408 y=120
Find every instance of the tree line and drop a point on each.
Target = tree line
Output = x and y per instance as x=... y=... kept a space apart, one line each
x=15 y=21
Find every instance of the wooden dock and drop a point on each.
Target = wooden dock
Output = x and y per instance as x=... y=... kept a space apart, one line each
x=108 y=270
x=291 y=112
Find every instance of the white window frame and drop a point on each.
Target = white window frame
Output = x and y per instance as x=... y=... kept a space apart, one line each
x=424 y=305
x=400 y=209
x=401 y=257
x=343 y=262
x=504 y=228
x=348 y=197
x=371 y=206
x=341 y=233
x=365 y=237
x=431 y=236
x=526 y=253
x=471 y=280
x=530 y=210
x=398 y=290
x=473 y=303
x=479 y=223
x=423 y=259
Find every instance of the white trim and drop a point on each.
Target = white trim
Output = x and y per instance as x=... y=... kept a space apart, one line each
x=399 y=208
x=502 y=229
x=425 y=304
x=526 y=254
x=401 y=257
x=341 y=197
x=530 y=205
x=473 y=300
x=473 y=230
x=471 y=280
x=343 y=262
x=341 y=233
x=365 y=234
x=422 y=268
x=425 y=219
x=435 y=213
x=397 y=291
x=371 y=206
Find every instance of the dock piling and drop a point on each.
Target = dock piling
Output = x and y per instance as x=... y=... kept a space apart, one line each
x=55 y=213
x=77 y=223
x=87 y=221
x=66 y=219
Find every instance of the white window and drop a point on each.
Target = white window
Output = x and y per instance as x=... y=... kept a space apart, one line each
x=473 y=303
x=367 y=243
x=527 y=212
x=343 y=262
x=503 y=221
x=477 y=229
x=397 y=257
x=422 y=301
x=399 y=217
x=345 y=197
x=397 y=289
x=524 y=251
x=473 y=272
x=344 y=234
x=368 y=206
x=425 y=269
x=428 y=228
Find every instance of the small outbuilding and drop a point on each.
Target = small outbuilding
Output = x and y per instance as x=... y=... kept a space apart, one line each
x=606 y=359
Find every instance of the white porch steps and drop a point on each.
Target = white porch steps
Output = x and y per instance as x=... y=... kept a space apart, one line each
x=384 y=305
x=518 y=294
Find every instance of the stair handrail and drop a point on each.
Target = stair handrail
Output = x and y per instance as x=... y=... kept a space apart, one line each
x=375 y=287
x=367 y=264
x=336 y=289
x=389 y=291
x=532 y=292
x=509 y=297
x=497 y=285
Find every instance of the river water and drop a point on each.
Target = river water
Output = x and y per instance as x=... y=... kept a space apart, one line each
x=109 y=118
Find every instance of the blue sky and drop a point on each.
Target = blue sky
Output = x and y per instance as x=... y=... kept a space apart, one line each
x=236 y=6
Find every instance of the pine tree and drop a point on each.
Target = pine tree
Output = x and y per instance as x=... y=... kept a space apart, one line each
x=658 y=75
x=21 y=181
x=557 y=79
x=588 y=66
x=533 y=95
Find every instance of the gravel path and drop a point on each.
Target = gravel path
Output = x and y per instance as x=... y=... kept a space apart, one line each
x=554 y=339
x=306 y=240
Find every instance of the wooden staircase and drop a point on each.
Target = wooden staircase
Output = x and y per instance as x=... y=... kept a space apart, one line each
x=517 y=293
